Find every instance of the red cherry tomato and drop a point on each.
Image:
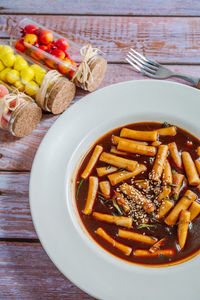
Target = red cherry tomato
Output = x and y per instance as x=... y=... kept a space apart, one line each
x=45 y=37
x=58 y=53
x=31 y=38
x=67 y=55
x=62 y=44
x=20 y=46
x=5 y=120
x=30 y=28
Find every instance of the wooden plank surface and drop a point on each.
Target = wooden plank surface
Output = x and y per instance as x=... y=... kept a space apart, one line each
x=18 y=154
x=15 y=217
x=168 y=40
x=27 y=273
x=103 y=7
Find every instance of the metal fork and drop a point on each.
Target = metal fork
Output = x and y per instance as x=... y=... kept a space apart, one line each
x=155 y=70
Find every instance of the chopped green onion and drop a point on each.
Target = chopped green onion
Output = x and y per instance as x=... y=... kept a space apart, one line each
x=121 y=169
x=153 y=237
x=175 y=196
x=171 y=184
x=154 y=219
x=79 y=186
x=146 y=226
x=163 y=256
x=114 y=213
x=116 y=206
x=122 y=209
x=108 y=167
x=187 y=197
x=103 y=199
x=165 y=124
x=174 y=171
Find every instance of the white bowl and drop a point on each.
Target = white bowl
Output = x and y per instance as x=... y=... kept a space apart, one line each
x=52 y=199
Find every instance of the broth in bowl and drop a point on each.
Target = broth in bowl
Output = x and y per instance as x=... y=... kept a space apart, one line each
x=138 y=193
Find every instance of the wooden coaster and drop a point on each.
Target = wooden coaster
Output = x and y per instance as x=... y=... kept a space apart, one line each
x=98 y=71
x=61 y=96
x=26 y=119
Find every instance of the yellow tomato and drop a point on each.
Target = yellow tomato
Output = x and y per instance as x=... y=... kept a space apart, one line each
x=19 y=85
x=20 y=63
x=27 y=74
x=31 y=88
x=5 y=49
x=39 y=78
x=37 y=68
x=8 y=59
x=1 y=66
x=3 y=74
x=12 y=76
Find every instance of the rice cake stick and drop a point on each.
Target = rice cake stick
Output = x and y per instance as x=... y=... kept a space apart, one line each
x=117 y=220
x=197 y=164
x=91 y=196
x=165 y=207
x=156 y=143
x=164 y=194
x=157 y=245
x=92 y=162
x=123 y=248
x=150 y=136
x=115 y=151
x=116 y=139
x=129 y=146
x=118 y=177
x=167 y=173
x=190 y=169
x=146 y=253
x=121 y=201
x=105 y=188
x=138 y=197
x=117 y=161
x=134 y=236
x=171 y=131
x=102 y=171
x=183 y=203
x=175 y=154
x=194 y=210
x=198 y=150
x=177 y=179
x=159 y=162
x=183 y=225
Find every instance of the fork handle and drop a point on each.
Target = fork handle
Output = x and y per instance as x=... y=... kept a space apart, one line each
x=194 y=80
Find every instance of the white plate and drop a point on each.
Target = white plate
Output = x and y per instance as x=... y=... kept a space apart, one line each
x=52 y=202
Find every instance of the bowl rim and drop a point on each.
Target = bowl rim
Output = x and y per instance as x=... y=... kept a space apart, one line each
x=97 y=291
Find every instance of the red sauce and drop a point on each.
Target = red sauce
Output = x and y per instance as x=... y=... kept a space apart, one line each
x=161 y=230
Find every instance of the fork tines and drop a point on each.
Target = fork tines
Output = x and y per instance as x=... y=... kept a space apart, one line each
x=141 y=63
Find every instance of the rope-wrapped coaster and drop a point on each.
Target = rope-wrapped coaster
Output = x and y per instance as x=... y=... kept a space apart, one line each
x=55 y=93
x=97 y=72
x=26 y=119
x=61 y=96
x=91 y=70
x=23 y=113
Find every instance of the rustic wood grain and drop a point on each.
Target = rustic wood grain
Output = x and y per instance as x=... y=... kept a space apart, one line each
x=15 y=217
x=103 y=7
x=26 y=272
x=168 y=40
x=18 y=154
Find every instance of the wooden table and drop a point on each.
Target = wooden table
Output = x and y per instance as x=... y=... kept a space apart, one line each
x=167 y=31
